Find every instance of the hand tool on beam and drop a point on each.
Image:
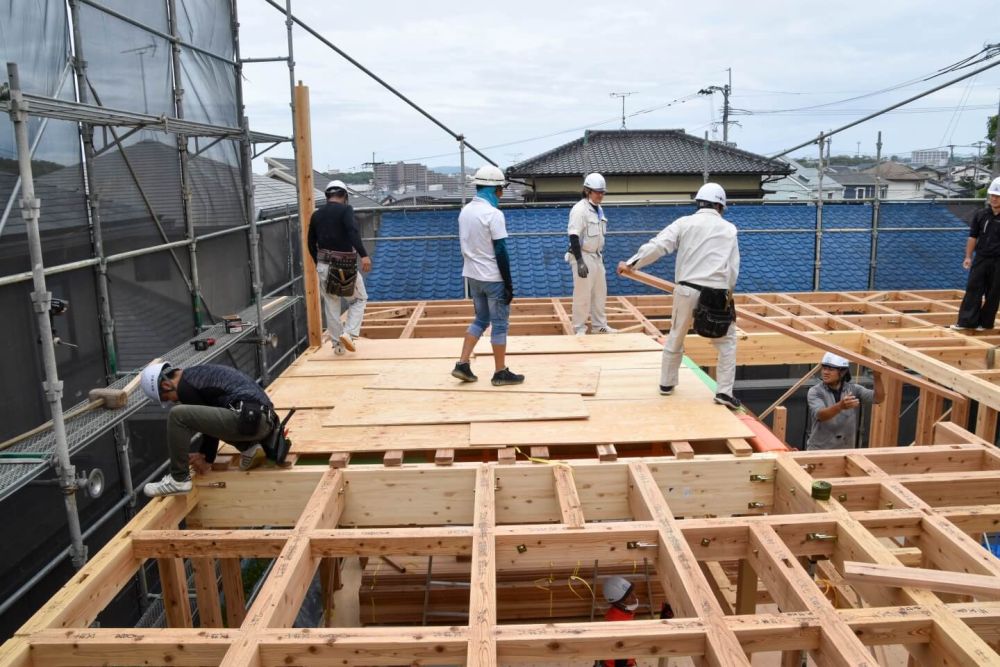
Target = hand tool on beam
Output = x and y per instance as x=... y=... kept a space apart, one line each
x=850 y=355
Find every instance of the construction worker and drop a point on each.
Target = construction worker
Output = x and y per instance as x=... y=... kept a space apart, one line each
x=587 y=226
x=218 y=402
x=335 y=245
x=834 y=402
x=982 y=292
x=708 y=263
x=482 y=232
x=620 y=594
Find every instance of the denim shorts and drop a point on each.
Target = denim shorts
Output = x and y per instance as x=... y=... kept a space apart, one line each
x=488 y=300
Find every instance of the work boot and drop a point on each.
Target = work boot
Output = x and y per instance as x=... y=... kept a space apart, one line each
x=168 y=486
x=252 y=458
x=504 y=376
x=463 y=371
x=347 y=342
x=666 y=390
x=730 y=402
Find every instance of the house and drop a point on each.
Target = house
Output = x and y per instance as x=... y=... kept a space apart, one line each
x=944 y=190
x=980 y=176
x=802 y=184
x=903 y=182
x=283 y=169
x=439 y=196
x=645 y=165
x=932 y=173
x=858 y=185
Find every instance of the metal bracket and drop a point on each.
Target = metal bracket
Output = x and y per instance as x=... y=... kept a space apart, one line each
x=820 y=537
x=755 y=505
x=639 y=545
x=754 y=477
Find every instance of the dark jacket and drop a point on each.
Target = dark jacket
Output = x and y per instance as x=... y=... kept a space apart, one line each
x=219 y=387
x=332 y=227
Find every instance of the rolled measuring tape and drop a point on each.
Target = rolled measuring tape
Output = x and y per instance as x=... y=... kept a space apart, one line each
x=821 y=490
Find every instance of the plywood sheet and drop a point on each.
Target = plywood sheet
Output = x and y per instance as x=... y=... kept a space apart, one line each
x=395 y=348
x=644 y=383
x=541 y=376
x=309 y=436
x=382 y=407
x=619 y=422
x=631 y=342
x=603 y=360
x=316 y=392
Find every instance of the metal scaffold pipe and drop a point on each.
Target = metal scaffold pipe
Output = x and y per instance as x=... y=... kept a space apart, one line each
x=42 y=299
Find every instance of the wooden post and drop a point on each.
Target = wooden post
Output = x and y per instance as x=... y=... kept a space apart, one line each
x=206 y=586
x=173 y=582
x=232 y=589
x=746 y=589
x=303 y=149
x=986 y=423
x=779 y=425
x=885 y=415
x=928 y=411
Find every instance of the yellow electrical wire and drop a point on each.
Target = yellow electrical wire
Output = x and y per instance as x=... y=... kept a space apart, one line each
x=371 y=589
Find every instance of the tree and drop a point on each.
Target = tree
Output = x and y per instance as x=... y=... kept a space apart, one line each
x=991 y=147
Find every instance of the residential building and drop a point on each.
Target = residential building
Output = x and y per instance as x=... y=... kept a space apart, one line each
x=803 y=184
x=645 y=165
x=980 y=176
x=858 y=185
x=903 y=182
x=932 y=173
x=403 y=176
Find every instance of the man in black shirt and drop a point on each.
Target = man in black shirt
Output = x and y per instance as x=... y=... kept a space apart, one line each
x=333 y=241
x=216 y=401
x=982 y=293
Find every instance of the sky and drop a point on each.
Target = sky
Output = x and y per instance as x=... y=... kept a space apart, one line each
x=518 y=78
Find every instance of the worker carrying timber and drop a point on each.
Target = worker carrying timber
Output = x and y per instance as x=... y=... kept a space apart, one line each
x=587 y=226
x=708 y=264
x=620 y=594
x=482 y=232
x=218 y=402
x=335 y=245
x=982 y=292
x=834 y=405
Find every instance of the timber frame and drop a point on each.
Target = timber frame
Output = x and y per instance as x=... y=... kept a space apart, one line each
x=750 y=562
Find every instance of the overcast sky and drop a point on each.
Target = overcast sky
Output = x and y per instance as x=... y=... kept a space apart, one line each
x=517 y=71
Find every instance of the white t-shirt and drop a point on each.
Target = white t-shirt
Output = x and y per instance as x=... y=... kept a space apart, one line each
x=479 y=224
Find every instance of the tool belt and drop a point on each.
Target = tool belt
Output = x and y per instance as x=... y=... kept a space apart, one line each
x=250 y=415
x=715 y=311
x=342 y=273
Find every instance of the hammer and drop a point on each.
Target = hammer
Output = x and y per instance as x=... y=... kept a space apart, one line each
x=115 y=398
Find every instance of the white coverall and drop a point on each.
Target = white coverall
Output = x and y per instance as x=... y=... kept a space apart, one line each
x=708 y=255
x=589 y=294
x=334 y=307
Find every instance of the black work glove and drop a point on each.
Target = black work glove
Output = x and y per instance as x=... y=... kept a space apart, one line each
x=581 y=270
x=508 y=294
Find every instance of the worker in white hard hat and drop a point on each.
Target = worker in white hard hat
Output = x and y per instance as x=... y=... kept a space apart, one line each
x=215 y=402
x=982 y=291
x=587 y=225
x=620 y=594
x=482 y=232
x=707 y=266
x=335 y=245
x=834 y=405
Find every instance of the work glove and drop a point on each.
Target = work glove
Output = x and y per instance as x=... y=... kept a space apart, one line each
x=581 y=270
x=508 y=294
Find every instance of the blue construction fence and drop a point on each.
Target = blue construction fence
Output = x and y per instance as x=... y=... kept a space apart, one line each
x=920 y=245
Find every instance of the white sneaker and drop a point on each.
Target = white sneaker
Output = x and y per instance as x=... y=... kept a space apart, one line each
x=252 y=458
x=605 y=330
x=980 y=328
x=168 y=486
x=347 y=342
x=959 y=327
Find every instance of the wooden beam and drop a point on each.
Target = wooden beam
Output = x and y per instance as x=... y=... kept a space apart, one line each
x=411 y=324
x=739 y=447
x=208 y=543
x=779 y=424
x=986 y=423
x=606 y=453
x=885 y=415
x=206 y=586
x=173 y=585
x=569 y=500
x=482 y=643
x=232 y=591
x=682 y=449
x=746 y=589
x=303 y=153
x=563 y=317
x=929 y=409
x=962 y=583
x=444 y=457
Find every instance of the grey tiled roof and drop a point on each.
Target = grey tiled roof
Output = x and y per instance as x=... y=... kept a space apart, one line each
x=623 y=152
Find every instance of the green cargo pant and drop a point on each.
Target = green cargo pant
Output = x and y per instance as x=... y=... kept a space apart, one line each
x=184 y=421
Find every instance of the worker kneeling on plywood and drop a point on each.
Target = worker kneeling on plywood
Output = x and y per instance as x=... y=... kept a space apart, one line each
x=217 y=402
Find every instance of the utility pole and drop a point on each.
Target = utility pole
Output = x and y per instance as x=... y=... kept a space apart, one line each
x=996 y=147
x=623 y=96
x=725 y=90
x=373 y=164
x=857 y=153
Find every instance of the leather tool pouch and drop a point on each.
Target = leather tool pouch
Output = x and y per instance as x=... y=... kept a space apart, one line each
x=714 y=313
x=342 y=273
x=249 y=418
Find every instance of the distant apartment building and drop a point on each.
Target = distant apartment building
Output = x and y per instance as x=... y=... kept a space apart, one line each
x=403 y=176
x=933 y=157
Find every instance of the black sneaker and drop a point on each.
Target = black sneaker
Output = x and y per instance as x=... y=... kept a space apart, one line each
x=506 y=377
x=463 y=371
x=666 y=391
x=729 y=401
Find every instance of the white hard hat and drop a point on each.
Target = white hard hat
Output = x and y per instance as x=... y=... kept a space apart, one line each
x=595 y=182
x=831 y=359
x=615 y=588
x=994 y=188
x=335 y=185
x=712 y=193
x=489 y=175
x=150 y=380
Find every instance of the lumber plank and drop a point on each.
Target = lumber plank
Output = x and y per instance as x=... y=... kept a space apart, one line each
x=393 y=458
x=507 y=456
x=569 y=500
x=444 y=457
x=682 y=449
x=370 y=408
x=739 y=447
x=962 y=583
x=648 y=421
x=482 y=594
x=607 y=453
